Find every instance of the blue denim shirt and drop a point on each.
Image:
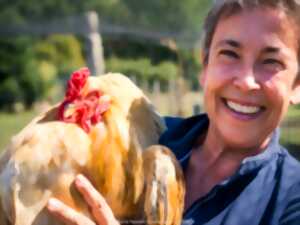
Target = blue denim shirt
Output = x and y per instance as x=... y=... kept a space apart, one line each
x=265 y=189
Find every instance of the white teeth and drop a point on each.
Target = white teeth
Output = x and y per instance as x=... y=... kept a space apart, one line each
x=242 y=108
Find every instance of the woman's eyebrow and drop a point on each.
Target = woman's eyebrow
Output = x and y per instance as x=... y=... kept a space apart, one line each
x=270 y=49
x=230 y=42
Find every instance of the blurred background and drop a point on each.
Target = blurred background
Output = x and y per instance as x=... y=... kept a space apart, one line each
x=155 y=43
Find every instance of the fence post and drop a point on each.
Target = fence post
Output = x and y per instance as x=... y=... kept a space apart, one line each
x=172 y=98
x=95 y=49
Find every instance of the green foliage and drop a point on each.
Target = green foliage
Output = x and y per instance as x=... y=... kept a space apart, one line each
x=168 y=15
x=186 y=61
x=143 y=70
x=294 y=112
x=32 y=83
x=13 y=57
x=19 y=11
x=30 y=67
x=60 y=51
x=166 y=71
x=162 y=15
x=13 y=54
x=9 y=93
x=191 y=66
x=128 y=49
x=55 y=57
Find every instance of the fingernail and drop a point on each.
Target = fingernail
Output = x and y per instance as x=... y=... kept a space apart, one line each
x=53 y=204
x=80 y=180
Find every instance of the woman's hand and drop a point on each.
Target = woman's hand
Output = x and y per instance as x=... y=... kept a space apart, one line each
x=102 y=213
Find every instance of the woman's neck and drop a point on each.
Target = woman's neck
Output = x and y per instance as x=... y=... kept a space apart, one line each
x=212 y=155
x=215 y=146
x=211 y=162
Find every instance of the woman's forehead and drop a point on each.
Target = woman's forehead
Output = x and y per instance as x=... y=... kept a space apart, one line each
x=261 y=24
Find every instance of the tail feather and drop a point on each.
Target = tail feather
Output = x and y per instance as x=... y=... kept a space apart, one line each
x=164 y=195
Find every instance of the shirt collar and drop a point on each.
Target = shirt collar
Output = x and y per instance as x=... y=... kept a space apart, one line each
x=272 y=150
x=194 y=126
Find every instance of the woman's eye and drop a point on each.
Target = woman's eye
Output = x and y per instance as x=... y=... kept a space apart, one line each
x=274 y=63
x=271 y=61
x=229 y=53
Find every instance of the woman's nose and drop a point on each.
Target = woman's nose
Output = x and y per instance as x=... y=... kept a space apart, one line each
x=246 y=81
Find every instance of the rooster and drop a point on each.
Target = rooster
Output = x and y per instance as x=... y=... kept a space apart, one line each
x=106 y=129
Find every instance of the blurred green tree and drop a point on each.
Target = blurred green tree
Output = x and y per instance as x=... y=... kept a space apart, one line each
x=164 y=14
x=28 y=73
x=29 y=68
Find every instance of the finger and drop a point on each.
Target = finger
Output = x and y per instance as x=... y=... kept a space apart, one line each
x=66 y=214
x=99 y=207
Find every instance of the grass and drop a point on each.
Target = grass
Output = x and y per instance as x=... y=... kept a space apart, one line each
x=11 y=123
x=294 y=113
x=290 y=131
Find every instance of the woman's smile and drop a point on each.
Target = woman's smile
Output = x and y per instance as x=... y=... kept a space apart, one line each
x=242 y=110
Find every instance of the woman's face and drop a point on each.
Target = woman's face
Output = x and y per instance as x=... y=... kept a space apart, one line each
x=250 y=76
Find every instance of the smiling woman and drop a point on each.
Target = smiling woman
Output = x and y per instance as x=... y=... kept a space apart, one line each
x=250 y=76
x=236 y=172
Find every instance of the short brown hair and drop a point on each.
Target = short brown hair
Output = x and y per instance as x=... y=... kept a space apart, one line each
x=224 y=8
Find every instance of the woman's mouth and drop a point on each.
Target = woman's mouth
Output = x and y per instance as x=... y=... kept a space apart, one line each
x=249 y=109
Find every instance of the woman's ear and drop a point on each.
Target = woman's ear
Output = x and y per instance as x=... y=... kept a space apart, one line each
x=295 y=96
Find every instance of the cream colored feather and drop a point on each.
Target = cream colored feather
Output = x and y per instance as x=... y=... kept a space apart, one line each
x=44 y=158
